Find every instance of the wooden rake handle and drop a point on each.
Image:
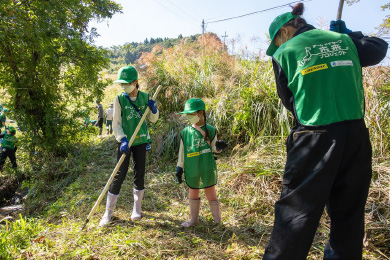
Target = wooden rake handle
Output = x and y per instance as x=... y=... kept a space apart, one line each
x=340 y=10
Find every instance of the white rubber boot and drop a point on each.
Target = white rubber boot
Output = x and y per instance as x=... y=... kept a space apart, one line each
x=215 y=210
x=138 y=196
x=194 y=213
x=110 y=205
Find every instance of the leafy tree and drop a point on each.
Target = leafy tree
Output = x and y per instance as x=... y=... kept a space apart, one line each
x=385 y=26
x=48 y=62
x=128 y=57
x=130 y=52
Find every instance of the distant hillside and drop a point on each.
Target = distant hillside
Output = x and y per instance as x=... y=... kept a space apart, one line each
x=121 y=55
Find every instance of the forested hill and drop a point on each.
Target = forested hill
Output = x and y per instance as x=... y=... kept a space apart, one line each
x=130 y=52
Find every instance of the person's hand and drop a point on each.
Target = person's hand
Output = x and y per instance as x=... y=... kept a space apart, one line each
x=220 y=145
x=179 y=174
x=152 y=105
x=124 y=148
x=339 y=26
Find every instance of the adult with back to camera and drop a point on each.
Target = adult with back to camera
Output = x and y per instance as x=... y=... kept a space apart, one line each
x=109 y=116
x=128 y=109
x=100 y=116
x=319 y=79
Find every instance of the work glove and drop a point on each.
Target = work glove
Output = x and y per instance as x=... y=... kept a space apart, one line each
x=339 y=26
x=152 y=105
x=179 y=174
x=220 y=145
x=124 y=148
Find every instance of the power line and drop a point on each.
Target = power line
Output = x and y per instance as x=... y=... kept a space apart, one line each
x=226 y=14
x=175 y=13
x=261 y=11
x=188 y=7
x=181 y=9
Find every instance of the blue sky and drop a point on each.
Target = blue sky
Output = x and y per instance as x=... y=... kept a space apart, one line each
x=168 y=18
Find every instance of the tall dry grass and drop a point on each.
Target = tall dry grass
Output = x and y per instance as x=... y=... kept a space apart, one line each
x=242 y=102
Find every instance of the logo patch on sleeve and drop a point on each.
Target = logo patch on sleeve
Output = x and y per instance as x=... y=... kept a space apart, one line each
x=314 y=68
x=341 y=63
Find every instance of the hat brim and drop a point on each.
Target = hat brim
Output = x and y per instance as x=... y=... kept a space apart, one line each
x=122 y=81
x=272 y=48
x=188 y=111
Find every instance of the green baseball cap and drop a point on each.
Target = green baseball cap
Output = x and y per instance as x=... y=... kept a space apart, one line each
x=12 y=130
x=127 y=74
x=275 y=26
x=192 y=105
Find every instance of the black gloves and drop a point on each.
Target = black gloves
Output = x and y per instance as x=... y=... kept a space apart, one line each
x=220 y=145
x=179 y=174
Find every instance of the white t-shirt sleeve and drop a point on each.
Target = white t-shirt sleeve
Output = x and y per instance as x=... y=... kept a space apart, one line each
x=180 y=162
x=153 y=117
x=117 y=121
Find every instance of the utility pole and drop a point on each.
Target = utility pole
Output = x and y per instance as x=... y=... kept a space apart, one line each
x=224 y=37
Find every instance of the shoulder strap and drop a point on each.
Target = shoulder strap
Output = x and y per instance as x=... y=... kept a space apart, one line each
x=202 y=132
x=132 y=104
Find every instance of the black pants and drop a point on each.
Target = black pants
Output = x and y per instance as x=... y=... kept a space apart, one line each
x=139 y=158
x=327 y=166
x=7 y=153
x=100 y=123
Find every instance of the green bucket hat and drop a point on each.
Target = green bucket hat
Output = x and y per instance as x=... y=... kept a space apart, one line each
x=192 y=105
x=12 y=130
x=127 y=74
x=275 y=26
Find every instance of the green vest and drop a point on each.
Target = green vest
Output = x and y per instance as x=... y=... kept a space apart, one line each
x=324 y=75
x=130 y=117
x=9 y=141
x=199 y=164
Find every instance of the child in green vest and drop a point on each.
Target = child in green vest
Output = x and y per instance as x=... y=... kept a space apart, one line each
x=3 y=118
x=196 y=160
x=8 y=147
x=129 y=106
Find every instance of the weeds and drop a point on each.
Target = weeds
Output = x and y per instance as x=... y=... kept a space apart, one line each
x=242 y=102
x=17 y=235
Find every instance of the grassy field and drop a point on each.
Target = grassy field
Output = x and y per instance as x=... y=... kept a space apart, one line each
x=242 y=103
x=249 y=185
